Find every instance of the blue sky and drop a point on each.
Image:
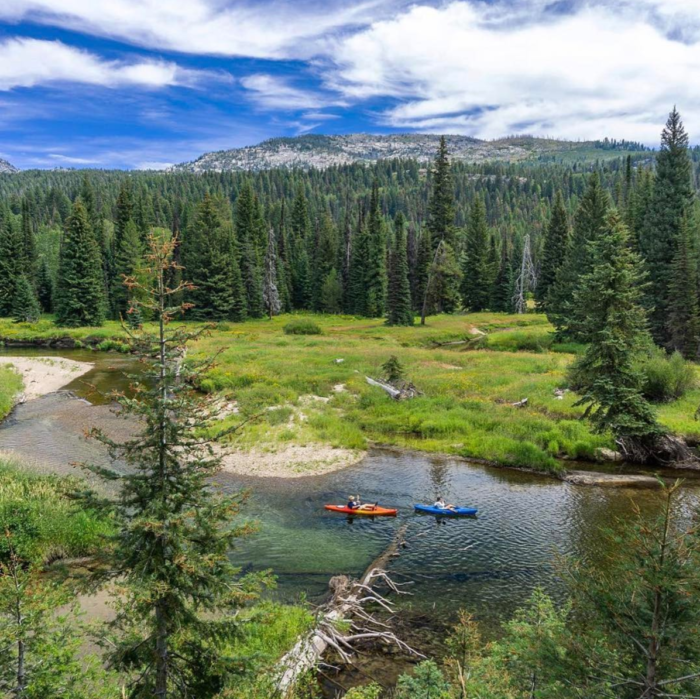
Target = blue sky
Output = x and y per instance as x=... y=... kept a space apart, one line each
x=146 y=83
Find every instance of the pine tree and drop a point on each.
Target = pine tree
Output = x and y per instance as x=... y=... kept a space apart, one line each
x=671 y=200
x=300 y=266
x=683 y=312
x=424 y=260
x=25 y=306
x=332 y=293
x=11 y=252
x=375 y=263
x=590 y=221
x=178 y=590
x=441 y=214
x=271 y=297
x=444 y=279
x=29 y=253
x=79 y=294
x=501 y=299
x=357 y=288
x=399 y=311
x=45 y=287
x=476 y=287
x=556 y=245
x=213 y=270
x=249 y=227
x=608 y=304
x=127 y=260
x=324 y=256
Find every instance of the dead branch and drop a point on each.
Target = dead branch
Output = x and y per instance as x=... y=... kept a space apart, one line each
x=347 y=598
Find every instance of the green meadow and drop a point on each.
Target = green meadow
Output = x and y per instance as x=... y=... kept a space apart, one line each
x=10 y=386
x=306 y=388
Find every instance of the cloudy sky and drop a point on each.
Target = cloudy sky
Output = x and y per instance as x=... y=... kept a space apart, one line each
x=143 y=83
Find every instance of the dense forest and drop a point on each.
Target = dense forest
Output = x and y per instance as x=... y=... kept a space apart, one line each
x=342 y=239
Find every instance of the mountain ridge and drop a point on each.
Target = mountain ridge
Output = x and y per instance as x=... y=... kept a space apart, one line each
x=7 y=167
x=322 y=151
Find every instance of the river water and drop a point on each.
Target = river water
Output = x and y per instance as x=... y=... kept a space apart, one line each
x=488 y=564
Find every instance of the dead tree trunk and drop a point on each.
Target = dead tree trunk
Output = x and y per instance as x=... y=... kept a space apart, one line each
x=346 y=601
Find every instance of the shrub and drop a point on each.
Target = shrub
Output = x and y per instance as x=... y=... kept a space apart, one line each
x=302 y=326
x=666 y=378
x=427 y=681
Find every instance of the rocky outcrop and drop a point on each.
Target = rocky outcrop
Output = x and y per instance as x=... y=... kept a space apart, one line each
x=317 y=151
x=7 y=168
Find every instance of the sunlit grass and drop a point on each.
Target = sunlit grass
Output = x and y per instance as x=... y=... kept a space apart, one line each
x=468 y=388
x=10 y=386
x=44 y=521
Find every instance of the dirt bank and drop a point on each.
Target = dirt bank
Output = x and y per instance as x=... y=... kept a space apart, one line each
x=290 y=461
x=42 y=375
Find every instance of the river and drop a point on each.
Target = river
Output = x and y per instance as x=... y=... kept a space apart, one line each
x=489 y=563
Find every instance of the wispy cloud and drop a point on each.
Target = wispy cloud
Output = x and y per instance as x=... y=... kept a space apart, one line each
x=274 y=93
x=28 y=62
x=256 y=28
x=592 y=71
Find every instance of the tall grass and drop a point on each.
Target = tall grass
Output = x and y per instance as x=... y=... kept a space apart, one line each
x=10 y=386
x=466 y=408
x=44 y=520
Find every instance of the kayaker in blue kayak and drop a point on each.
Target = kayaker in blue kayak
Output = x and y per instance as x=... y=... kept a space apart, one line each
x=440 y=504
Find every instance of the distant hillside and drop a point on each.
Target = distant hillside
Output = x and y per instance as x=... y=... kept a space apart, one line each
x=325 y=151
x=6 y=167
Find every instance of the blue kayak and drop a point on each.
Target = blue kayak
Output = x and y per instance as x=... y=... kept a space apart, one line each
x=444 y=512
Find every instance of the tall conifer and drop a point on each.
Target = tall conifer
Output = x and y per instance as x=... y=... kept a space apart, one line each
x=375 y=263
x=476 y=277
x=79 y=296
x=556 y=245
x=683 y=313
x=399 y=311
x=671 y=200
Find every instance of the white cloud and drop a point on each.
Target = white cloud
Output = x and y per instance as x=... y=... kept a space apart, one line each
x=592 y=72
x=28 y=62
x=274 y=93
x=256 y=28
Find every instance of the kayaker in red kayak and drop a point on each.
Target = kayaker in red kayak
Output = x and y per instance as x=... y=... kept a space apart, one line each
x=354 y=503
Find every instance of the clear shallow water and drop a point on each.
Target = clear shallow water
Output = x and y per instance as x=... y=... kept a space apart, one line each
x=488 y=564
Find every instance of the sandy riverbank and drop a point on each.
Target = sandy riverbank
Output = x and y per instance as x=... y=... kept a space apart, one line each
x=42 y=375
x=290 y=461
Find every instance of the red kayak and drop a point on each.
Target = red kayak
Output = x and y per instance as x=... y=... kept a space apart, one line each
x=371 y=510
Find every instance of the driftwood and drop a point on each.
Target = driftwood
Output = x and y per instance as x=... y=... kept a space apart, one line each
x=398 y=392
x=345 y=609
x=520 y=404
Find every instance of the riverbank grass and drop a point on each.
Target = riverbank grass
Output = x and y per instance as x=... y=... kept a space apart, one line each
x=10 y=387
x=311 y=389
x=44 y=521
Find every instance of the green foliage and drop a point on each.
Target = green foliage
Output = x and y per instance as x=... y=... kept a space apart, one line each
x=331 y=293
x=367 y=691
x=683 y=323
x=79 y=295
x=393 y=369
x=10 y=386
x=441 y=213
x=42 y=654
x=25 y=306
x=426 y=682
x=399 y=310
x=302 y=326
x=555 y=248
x=660 y=233
x=476 y=273
x=666 y=378
x=10 y=261
x=590 y=223
x=607 y=304
x=42 y=515
x=642 y=606
x=178 y=587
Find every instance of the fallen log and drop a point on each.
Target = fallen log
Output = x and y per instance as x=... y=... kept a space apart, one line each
x=400 y=392
x=346 y=601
